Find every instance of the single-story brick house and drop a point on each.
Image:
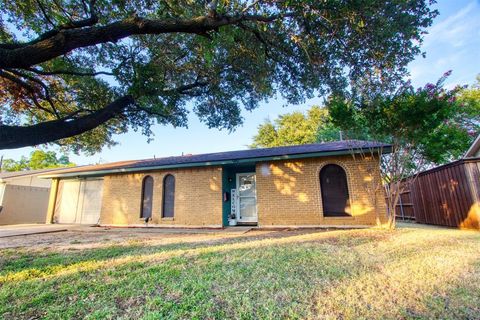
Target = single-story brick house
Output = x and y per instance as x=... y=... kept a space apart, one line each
x=309 y=185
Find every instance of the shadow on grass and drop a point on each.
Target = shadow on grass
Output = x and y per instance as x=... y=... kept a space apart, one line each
x=267 y=277
x=216 y=281
x=38 y=264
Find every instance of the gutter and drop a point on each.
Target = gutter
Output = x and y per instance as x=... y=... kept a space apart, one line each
x=99 y=173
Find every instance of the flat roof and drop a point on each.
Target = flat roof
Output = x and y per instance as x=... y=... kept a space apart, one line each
x=223 y=158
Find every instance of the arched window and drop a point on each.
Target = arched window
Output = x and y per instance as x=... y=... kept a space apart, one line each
x=334 y=188
x=168 y=208
x=147 y=195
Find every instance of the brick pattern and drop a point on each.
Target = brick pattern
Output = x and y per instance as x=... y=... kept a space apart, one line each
x=288 y=192
x=198 y=198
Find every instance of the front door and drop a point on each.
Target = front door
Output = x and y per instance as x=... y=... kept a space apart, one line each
x=246 y=198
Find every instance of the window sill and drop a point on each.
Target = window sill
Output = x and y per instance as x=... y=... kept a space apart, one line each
x=168 y=219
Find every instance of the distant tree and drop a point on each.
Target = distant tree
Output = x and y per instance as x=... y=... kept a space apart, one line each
x=77 y=72
x=38 y=159
x=425 y=126
x=296 y=128
x=469 y=102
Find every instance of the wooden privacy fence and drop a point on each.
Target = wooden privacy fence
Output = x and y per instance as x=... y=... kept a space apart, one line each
x=448 y=195
x=404 y=207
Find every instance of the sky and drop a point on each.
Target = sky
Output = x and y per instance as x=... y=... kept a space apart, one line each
x=453 y=43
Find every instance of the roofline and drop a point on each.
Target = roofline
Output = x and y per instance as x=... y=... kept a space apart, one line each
x=475 y=145
x=27 y=173
x=96 y=173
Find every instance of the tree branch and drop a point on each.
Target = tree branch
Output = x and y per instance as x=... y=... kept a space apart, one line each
x=69 y=72
x=29 y=88
x=46 y=94
x=87 y=22
x=44 y=12
x=184 y=88
x=22 y=136
x=66 y=40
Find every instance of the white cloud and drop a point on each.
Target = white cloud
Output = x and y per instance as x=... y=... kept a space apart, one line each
x=452 y=44
x=456 y=30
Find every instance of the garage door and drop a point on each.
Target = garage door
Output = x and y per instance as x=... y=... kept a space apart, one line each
x=79 y=201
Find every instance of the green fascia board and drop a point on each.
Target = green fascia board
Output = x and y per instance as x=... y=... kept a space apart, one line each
x=97 y=173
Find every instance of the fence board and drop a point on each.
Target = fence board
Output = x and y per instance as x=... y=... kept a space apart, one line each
x=448 y=195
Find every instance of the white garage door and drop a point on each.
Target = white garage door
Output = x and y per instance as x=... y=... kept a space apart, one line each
x=91 y=201
x=67 y=201
x=79 y=201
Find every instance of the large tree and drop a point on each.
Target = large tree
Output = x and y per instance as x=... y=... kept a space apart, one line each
x=425 y=126
x=75 y=72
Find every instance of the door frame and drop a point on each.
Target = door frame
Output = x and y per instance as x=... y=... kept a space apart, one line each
x=237 y=200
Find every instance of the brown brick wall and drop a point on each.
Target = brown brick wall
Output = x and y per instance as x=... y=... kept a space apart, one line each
x=198 y=198
x=288 y=192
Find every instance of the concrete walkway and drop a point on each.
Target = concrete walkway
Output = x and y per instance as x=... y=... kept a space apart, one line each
x=165 y=230
x=27 y=229
x=30 y=229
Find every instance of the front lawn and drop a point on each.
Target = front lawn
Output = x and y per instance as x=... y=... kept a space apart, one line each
x=411 y=273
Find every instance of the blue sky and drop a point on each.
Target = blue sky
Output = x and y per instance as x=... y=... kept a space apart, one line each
x=453 y=43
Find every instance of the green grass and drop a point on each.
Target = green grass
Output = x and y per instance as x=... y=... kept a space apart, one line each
x=410 y=273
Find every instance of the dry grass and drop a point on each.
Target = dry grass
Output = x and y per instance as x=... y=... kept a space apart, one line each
x=410 y=273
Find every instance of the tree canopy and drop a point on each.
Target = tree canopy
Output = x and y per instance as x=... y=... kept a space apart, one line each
x=434 y=124
x=76 y=72
x=296 y=128
x=38 y=159
x=439 y=124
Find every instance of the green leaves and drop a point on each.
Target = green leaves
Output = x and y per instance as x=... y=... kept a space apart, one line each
x=39 y=159
x=295 y=49
x=436 y=124
x=296 y=128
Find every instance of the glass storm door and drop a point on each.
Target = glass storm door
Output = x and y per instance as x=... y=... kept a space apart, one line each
x=246 y=197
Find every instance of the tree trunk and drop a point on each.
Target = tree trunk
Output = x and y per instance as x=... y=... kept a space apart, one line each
x=12 y=137
x=393 y=195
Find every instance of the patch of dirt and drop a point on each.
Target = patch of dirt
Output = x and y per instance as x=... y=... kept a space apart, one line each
x=100 y=238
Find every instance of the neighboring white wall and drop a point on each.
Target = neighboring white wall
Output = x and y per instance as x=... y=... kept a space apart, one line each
x=24 y=204
x=30 y=181
x=24 y=199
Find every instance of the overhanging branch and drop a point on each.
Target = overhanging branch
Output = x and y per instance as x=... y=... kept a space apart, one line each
x=69 y=72
x=66 y=40
x=22 y=136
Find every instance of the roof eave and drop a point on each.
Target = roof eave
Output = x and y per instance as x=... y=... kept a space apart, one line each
x=473 y=148
x=99 y=173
